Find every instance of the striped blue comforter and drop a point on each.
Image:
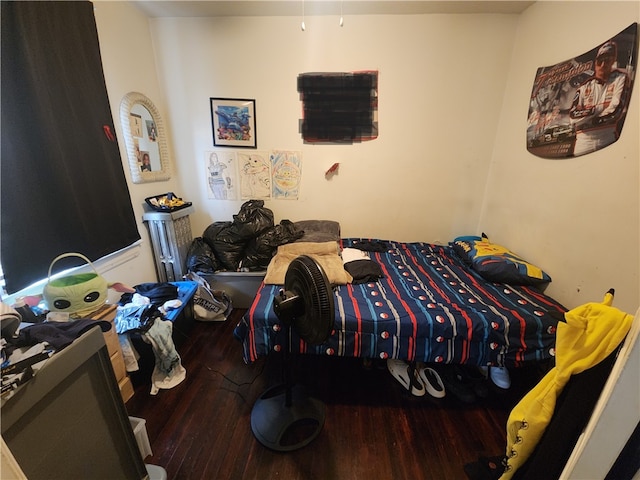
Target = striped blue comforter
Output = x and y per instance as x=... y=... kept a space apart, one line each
x=429 y=307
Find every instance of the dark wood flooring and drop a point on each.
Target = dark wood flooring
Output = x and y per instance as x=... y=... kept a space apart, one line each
x=201 y=429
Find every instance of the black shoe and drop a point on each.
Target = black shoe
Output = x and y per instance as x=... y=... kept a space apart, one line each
x=457 y=383
x=478 y=381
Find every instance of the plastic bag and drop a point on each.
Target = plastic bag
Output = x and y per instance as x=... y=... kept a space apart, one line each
x=252 y=219
x=262 y=248
x=200 y=257
x=227 y=247
x=209 y=305
x=229 y=240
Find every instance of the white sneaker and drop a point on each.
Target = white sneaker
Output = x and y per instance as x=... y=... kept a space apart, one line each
x=500 y=377
x=432 y=382
x=400 y=371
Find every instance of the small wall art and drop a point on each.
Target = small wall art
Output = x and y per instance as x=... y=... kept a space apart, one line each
x=222 y=175
x=233 y=122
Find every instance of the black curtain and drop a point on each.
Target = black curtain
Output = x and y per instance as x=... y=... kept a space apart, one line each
x=62 y=184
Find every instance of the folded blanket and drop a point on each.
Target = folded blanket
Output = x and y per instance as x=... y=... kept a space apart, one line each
x=325 y=253
x=318 y=230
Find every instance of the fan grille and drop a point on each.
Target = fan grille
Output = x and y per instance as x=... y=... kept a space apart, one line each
x=306 y=279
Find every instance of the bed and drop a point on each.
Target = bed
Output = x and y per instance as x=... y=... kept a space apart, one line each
x=429 y=306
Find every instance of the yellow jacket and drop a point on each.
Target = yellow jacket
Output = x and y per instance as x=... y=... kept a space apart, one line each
x=591 y=332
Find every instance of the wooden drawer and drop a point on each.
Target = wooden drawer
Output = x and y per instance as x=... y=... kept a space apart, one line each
x=112 y=341
x=126 y=388
x=118 y=366
x=108 y=313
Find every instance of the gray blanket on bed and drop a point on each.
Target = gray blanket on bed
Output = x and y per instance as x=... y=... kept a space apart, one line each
x=318 y=230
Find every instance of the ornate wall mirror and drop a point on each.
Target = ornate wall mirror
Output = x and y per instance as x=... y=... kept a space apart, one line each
x=145 y=139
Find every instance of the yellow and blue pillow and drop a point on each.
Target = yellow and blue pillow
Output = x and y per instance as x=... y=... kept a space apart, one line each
x=497 y=263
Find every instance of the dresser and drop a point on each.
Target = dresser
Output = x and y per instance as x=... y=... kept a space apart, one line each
x=108 y=313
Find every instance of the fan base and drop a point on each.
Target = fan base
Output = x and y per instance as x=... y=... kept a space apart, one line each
x=285 y=428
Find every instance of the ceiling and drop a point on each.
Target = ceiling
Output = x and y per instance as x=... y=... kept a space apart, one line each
x=235 y=8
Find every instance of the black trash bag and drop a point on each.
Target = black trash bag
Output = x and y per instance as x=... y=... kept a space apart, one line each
x=261 y=249
x=211 y=232
x=201 y=258
x=252 y=219
x=227 y=247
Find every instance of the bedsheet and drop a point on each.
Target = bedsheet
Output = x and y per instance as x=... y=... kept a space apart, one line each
x=429 y=307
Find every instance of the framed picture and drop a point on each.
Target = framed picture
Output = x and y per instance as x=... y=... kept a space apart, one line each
x=233 y=121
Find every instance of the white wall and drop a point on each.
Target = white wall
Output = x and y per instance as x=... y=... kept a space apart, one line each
x=129 y=65
x=451 y=156
x=577 y=218
x=441 y=82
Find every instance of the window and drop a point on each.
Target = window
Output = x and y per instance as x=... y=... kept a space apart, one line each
x=62 y=183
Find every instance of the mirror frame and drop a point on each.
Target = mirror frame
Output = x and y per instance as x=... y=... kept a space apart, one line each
x=128 y=102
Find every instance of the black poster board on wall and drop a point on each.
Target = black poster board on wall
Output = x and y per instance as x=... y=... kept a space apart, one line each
x=339 y=107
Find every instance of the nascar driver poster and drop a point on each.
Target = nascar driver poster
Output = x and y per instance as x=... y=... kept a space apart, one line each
x=579 y=106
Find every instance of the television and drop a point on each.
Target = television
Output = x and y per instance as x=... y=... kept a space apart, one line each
x=69 y=420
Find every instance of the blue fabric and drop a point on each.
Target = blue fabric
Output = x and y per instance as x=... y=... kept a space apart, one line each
x=129 y=318
x=429 y=307
x=186 y=291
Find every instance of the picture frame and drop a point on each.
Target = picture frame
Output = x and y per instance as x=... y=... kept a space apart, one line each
x=233 y=122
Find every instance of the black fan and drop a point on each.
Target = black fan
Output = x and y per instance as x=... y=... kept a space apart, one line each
x=284 y=418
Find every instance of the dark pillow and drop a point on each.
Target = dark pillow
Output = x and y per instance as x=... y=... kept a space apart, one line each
x=497 y=263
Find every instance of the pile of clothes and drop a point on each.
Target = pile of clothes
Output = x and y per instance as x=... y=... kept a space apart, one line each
x=142 y=313
x=27 y=342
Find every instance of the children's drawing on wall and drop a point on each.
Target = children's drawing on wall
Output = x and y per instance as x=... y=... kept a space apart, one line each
x=255 y=175
x=222 y=180
x=579 y=106
x=287 y=172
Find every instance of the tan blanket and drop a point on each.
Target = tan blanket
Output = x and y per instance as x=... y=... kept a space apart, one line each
x=327 y=254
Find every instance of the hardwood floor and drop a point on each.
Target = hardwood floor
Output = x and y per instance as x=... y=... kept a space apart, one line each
x=201 y=429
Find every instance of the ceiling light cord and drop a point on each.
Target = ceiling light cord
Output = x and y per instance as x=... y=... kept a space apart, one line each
x=303 y=27
x=341 y=18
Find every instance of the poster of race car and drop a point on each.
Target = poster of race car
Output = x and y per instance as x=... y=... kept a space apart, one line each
x=579 y=106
